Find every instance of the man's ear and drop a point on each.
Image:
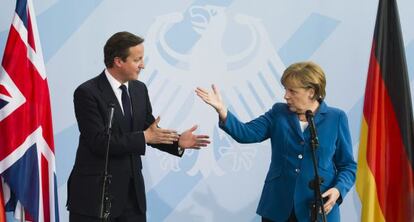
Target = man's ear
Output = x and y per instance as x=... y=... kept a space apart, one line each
x=118 y=61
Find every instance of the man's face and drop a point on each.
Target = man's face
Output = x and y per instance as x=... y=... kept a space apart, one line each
x=133 y=64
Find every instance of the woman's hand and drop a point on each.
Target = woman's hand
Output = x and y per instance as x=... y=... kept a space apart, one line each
x=213 y=98
x=333 y=195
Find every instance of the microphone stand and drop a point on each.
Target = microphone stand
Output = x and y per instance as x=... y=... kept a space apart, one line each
x=105 y=207
x=315 y=184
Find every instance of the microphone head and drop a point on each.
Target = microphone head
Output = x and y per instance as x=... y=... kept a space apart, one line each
x=111 y=105
x=308 y=114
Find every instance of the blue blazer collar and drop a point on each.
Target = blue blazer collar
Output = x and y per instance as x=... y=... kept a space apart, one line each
x=320 y=112
x=294 y=120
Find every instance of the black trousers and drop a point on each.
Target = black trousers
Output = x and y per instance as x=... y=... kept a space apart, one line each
x=292 y=218
x=131 y=212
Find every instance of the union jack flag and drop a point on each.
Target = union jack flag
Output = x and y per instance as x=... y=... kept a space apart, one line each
x=27 y=159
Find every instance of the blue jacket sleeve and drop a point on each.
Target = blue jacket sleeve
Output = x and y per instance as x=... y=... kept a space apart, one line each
x=344 y=160
x=254 y=131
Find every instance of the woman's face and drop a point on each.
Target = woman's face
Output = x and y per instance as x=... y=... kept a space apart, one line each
x=299 y=99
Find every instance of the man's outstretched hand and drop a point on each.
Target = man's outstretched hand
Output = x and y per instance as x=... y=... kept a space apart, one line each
x=188 y=140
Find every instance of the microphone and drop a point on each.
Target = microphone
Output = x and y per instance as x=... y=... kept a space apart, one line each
x=314 y=135
x=111 y=108
x=105 y=205
x=309 y=114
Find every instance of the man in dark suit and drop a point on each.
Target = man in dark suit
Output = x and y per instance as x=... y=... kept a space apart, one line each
x=133 y=127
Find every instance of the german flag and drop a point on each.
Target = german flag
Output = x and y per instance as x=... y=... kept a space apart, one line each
x=385 y=176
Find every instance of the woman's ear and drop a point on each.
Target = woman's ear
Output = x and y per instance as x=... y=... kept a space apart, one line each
x=311 y=93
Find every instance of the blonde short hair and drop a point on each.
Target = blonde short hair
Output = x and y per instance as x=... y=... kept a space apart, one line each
x=307 y=75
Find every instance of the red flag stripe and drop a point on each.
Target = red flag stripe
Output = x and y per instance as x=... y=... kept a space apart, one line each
x=2 y=212
x=46 y=189
x=4 y=91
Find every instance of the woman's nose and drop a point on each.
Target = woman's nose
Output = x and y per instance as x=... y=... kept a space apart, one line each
x=286 y=96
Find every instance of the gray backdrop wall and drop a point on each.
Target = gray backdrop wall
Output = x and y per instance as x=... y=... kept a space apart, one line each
x=243 y=47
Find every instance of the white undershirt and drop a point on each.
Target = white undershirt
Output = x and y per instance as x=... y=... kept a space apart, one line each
x=115 y=84
x=303 y=125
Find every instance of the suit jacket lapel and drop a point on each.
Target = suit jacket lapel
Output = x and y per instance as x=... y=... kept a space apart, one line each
x=109 y=97
x=135 y=99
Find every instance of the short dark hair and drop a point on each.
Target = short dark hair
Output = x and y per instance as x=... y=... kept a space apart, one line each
x=118 y=46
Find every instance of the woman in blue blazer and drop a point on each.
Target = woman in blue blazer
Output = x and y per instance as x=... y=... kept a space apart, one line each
x=286 y=195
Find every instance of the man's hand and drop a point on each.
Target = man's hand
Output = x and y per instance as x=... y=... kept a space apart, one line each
x=190 y=141
x=333 y=195
x=156 y=135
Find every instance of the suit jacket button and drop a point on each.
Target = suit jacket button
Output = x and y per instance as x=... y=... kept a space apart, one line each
x=297 y=170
